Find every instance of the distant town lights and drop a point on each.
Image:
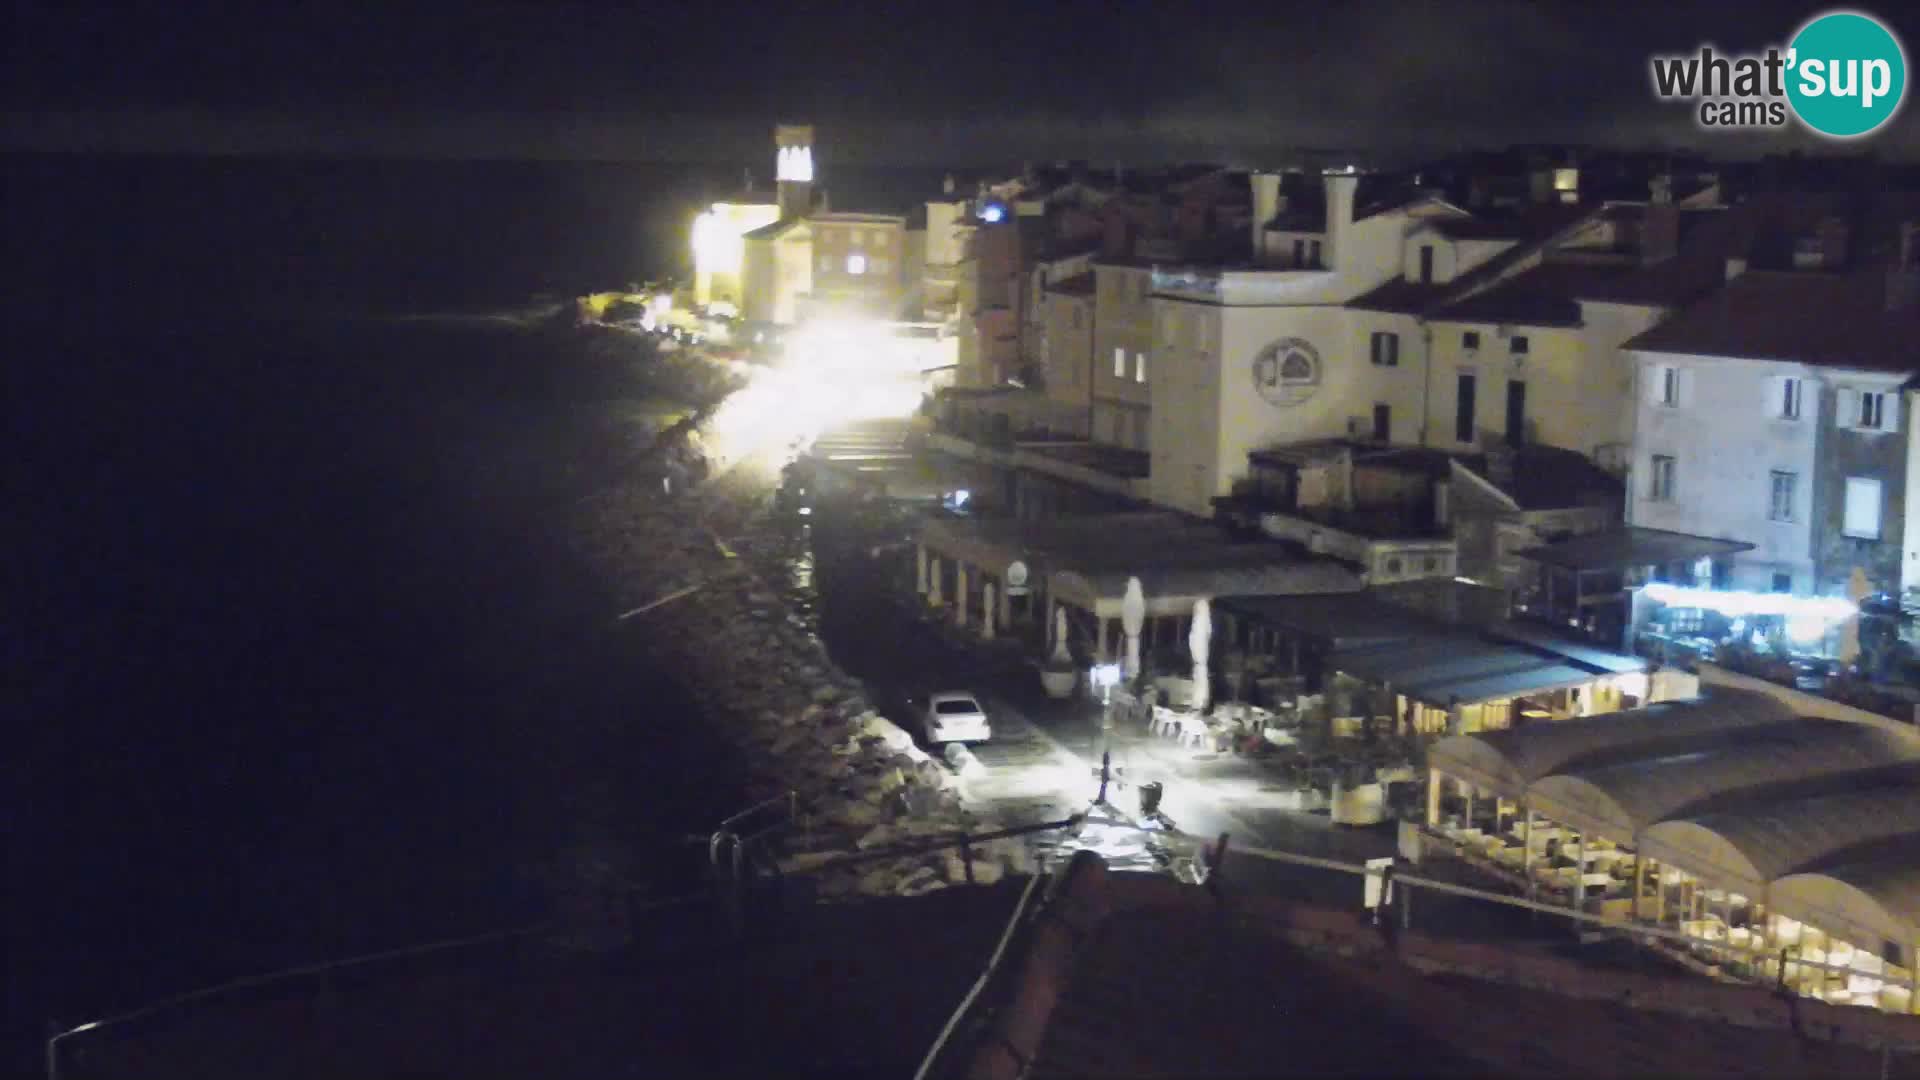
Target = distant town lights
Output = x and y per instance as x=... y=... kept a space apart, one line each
x=1737 y=604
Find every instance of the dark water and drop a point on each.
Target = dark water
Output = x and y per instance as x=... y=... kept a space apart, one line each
x=298 y=666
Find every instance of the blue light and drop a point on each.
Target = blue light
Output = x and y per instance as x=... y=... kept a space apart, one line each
x=992 y=213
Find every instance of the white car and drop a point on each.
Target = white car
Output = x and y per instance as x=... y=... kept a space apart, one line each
x=955 y=716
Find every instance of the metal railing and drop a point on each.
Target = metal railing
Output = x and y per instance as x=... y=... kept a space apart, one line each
x=56 y=1042
x=1392 y=877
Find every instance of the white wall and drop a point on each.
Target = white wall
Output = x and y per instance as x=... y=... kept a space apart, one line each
x=1609 y=326
x=1910 y=558
x=944 y=245
x=1184 y=376
x=1725 y=446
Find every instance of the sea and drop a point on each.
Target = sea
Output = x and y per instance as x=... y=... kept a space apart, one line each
x=301 y=667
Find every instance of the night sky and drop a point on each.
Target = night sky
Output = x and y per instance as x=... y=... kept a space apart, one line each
x=887 y=83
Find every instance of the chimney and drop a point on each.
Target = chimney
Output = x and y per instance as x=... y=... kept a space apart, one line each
x=947 y=185
x=1341 y=188
x=1660 y=190
x=1832 y=235
x=1735 y=267
x=1660 y=233
x=1266 y=206
x=1903 y=279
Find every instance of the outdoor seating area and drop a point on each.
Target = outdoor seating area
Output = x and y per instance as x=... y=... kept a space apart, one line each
x=1760 y=837
x=1375 y=666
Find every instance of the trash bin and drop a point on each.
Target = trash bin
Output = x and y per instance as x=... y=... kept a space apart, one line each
x=1150 y=798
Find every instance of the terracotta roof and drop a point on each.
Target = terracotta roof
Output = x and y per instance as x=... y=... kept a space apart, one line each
x=1169 y=981
x=1480 y=228
x=1540 y=229
x=1550 y=478
x=1519 y=302
x=1403 y=296
x=1077 y=285
x=1811 y=317
x=775 y=229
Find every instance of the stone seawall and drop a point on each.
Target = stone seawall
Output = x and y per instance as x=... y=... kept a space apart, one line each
x=802 y=725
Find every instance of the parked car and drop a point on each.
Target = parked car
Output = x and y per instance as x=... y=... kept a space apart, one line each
x=955 y=716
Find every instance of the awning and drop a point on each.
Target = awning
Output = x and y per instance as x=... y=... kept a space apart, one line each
x=1458 y=670
x=1620 y=800
x=1508 y=761
x=1581 y=653
x=1745 y=850
x=1620 y=549
x=1342 y=620
x=1173 y=590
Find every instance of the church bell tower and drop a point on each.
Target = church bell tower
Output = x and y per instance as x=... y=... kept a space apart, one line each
x=793 y=160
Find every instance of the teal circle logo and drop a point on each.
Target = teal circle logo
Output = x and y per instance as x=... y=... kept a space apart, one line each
x=1846 y=74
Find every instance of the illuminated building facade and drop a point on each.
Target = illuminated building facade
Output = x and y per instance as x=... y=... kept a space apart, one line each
x=719 y=247
x=860 y=263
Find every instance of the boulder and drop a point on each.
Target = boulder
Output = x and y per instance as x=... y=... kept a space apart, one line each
x=857 y=814
x=923 y=880
x=877 y=837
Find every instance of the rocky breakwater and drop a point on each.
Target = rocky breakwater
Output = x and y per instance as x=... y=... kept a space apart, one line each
x=805 y=729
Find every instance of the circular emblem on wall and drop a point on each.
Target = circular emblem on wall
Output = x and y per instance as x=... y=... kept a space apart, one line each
x=1287 y=372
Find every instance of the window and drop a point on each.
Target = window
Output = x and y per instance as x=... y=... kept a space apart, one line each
x=1873 y=411
x=1119 y=363
x=1463 y=407
x=855 y=238
x=879 y=238
x=1785 y=404
x=1664 y=385
x=1517 y=345
x=1860 y=410
x=1426 y=263
x=1516 y=412
x=1386 y=349
x=856 y=264
x=1470 y=340
x=1780 y=496
x=1660 y=488
x=1382 y=423
x=1299 y=253
x=1783 y=583
x=1313 y=253
x=1863 y=508
x=1139 y=367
